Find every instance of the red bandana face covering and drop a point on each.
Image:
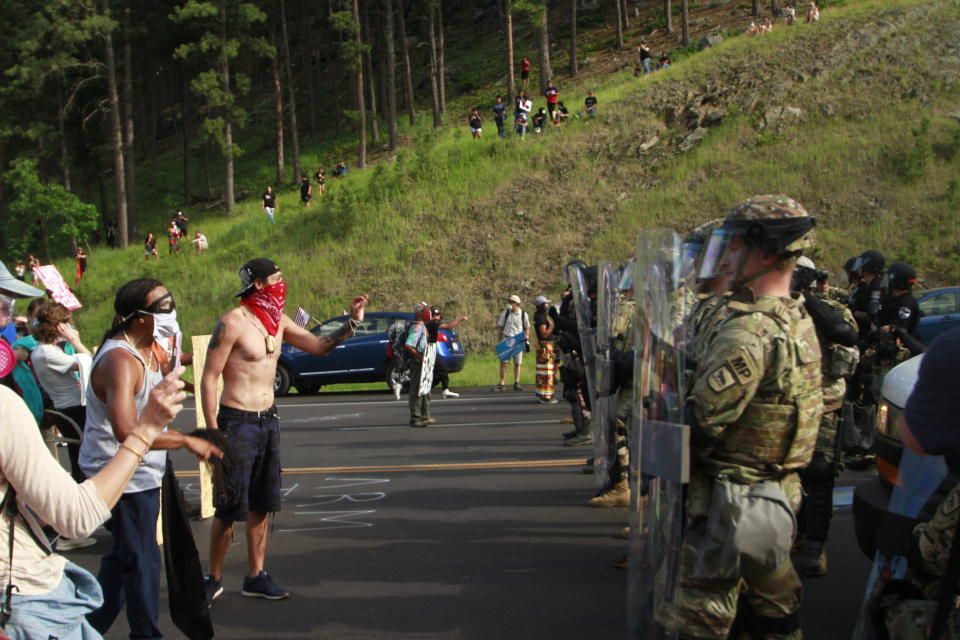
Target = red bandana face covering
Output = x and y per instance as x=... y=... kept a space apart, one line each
x=267 y=304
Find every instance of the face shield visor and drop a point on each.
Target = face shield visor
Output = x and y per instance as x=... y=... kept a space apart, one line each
x=718 y=256
x=627 y=277
x=6 y=310
x=690 y=255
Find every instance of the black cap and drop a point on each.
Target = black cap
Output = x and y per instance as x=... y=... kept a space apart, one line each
x=256 y=269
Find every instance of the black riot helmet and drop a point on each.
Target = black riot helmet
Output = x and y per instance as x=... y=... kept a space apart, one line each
x=871 y=261
x=901 y=276
x=804 y=275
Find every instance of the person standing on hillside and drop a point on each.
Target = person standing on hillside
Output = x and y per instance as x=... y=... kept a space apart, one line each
x=476 y=124
x=321 y=179
x=244 y=349
x=524 y=72
x=150 y=247
x=553 y=95
x=645 y=56
x=305 y=189
x=182 y=221
x=500 y=115
x=34 y=264
x=173 y=238
x=81 y=266
x=270 y=204
x=21 y=271
x=512 y=320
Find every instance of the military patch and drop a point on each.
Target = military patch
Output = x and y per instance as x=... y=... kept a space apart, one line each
x=904 y=312
x=741 y=368
x=721 y=379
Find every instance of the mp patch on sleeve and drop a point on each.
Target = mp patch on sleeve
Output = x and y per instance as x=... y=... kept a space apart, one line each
x=721 y=379
x=741 y=369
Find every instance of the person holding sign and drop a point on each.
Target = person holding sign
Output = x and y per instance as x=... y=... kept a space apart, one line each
x=512 y=322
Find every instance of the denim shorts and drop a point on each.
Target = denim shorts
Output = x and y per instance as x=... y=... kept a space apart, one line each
x=60 y=614
x=253 y=483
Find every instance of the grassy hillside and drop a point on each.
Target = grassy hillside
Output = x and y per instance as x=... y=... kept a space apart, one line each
x=465 y=223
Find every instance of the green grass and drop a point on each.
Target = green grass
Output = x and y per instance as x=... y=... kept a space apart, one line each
x=464 y=223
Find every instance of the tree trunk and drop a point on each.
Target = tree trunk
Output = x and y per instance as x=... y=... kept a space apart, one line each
x=291 y=91
x=668 y=11
x=441 y=57
x=311 y=63
x=123 y=229
x=773 y=8
x=391 y=72
x=625 y=14
x=101 y=190
x=755 y=8
x=619 y=24
x=508 y=32
x=358 y=89
x=335 y=77
x=61 y=126
x=434 y=92
x=278 y=121
x=205 y=158
x=371 y=85
x=187 y=128
x=228 y=195
x=408 y=97
x=573 y=38
x=685 y=22
x=546 y=73
x=129 y=148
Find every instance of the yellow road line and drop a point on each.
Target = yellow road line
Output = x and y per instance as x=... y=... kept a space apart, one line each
x=456 y=466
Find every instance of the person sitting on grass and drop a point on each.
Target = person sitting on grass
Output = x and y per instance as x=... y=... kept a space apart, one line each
x=590 y=104
x=539 y=120
x=560 y=114
x=520 y=123
x=200 y=241
x=813 y=13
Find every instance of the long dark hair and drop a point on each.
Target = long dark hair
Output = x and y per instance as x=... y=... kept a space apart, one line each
x=130 y=298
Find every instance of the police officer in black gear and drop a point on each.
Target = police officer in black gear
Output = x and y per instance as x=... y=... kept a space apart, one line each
x=870 y=295
x=902 y=313
x=573 y=373
x=853 y=277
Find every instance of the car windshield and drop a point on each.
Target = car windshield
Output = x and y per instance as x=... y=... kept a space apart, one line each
x=939 y=304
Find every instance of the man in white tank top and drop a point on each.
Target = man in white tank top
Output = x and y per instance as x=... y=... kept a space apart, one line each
x=124 y=371
x=244 y=349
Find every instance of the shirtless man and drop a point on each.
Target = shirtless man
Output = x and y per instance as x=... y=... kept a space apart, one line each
x=244 y=349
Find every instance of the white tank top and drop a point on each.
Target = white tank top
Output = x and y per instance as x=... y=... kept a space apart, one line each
x=100 y=445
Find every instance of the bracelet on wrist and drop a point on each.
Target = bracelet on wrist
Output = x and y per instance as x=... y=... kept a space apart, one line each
x=142 y=439
x=354 y=324
x=133 y=451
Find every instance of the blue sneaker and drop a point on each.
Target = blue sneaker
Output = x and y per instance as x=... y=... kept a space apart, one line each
x=262 y=586
x=213 y=588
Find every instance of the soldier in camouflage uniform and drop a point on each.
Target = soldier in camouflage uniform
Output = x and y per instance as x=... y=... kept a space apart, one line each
x=754 y=410
x=837 y=333
x=617 y=494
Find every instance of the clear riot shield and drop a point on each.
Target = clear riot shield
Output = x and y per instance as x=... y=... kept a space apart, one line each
x=917 y=479
x=604 y=407
x=586 y=327
x=660 y=456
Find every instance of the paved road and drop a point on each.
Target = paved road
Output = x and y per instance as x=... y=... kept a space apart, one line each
x=473 y=528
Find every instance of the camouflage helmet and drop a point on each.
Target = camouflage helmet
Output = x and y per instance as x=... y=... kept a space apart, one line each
x=701 y=234
x=775 y=223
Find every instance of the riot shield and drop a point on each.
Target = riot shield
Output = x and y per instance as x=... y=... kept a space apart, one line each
x=918 y=478
x=660 y=458
x=586 y=326
x=604 y=406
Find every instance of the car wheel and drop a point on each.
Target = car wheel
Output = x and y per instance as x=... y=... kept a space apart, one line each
x=308 y=389
x=281 y=383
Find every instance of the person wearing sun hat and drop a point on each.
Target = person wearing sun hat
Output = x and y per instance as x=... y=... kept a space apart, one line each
x=511 y=321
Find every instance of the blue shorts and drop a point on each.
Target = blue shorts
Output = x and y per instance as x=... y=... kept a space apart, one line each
x=253 y=484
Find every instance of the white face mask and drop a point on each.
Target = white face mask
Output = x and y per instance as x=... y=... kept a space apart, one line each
x=165 y=326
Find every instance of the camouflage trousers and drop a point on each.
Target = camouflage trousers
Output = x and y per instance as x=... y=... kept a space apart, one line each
x=707 y=608
x=827 y=436
x=913 y=620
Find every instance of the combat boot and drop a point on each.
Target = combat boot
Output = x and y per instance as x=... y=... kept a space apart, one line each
x=579 y=439
x=812 y=559
x=617 y=495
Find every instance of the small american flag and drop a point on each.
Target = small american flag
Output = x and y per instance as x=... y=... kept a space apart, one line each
x=302 y=317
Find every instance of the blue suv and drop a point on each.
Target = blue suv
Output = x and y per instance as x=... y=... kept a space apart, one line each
x=364 y=357
x=940 y=309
